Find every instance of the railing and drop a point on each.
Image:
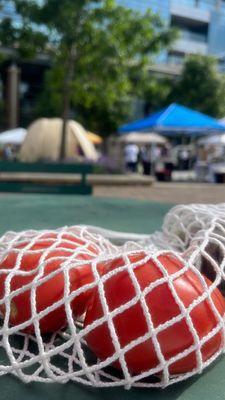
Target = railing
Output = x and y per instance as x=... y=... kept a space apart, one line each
x=185 y=9
x=191 y=47
x=192 y=36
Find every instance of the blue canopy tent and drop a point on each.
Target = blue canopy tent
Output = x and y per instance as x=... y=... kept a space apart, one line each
x=174 y=120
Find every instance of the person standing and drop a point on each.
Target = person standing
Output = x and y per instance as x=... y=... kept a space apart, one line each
x=145 y=156
x=183 y=159
x=131 y=152
x=7 y=152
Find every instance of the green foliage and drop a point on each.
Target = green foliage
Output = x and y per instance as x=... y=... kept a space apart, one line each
x=155 y=93
x=109 y=64
x=23 y=39
x=200 y=86
x=100 y=55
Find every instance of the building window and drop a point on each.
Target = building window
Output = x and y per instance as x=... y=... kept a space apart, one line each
x=190 y=30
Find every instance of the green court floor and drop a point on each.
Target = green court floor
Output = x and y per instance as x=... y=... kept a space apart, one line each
x=18 y=212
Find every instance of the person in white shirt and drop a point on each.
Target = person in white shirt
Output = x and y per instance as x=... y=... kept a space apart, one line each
x=131 y=152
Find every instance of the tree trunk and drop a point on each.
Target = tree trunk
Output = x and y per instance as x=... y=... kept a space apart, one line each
x=66 y=100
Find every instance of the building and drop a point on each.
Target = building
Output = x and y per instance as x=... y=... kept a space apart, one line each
x=201 y=26
x=20 y=81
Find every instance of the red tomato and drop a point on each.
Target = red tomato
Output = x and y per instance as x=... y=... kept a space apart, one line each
x=131 y=323
x=52 y=290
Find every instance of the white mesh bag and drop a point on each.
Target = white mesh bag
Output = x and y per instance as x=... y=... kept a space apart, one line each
x=147 y=313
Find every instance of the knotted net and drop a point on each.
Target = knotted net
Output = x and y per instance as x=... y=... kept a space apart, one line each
x=106 y=321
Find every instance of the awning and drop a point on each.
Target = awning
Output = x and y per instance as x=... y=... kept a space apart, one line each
x=175 y=119
x=143 y=138
x=213 y=139
x=13 y=136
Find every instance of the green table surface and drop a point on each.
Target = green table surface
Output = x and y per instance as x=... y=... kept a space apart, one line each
x=18 y=212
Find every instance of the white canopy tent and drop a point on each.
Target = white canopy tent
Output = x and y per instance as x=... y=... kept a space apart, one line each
x=212 y=140
x=222 y=120
x=13 y=136
x=143 y=138
x=212 y=156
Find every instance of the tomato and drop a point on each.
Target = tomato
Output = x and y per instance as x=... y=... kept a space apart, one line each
x=52 y=290
x=162 y=307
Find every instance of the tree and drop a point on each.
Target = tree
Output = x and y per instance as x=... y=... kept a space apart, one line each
x=200 y=86
x=99 y=51
x=155 y=93
x=109 y=65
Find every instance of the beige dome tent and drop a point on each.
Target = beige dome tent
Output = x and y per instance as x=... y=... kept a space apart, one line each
x=44 y=138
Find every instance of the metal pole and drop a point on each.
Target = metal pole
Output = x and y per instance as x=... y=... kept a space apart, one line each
x=69 y=72
x=13 y=96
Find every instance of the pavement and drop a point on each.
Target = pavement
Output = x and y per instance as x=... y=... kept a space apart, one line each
x=167 y=192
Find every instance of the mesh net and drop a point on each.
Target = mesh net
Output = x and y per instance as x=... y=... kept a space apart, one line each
x=147 y=313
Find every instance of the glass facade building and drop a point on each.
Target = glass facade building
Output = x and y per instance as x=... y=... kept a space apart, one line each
x=201 y=26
